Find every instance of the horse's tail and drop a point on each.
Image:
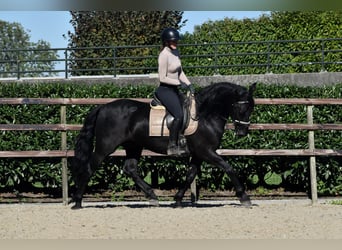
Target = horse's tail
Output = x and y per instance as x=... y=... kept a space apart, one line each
x=84 y=144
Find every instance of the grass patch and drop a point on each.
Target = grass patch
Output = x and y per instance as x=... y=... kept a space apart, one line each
x=336 y=202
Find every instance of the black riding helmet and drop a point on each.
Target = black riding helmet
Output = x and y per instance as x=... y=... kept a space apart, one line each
x=169 y=34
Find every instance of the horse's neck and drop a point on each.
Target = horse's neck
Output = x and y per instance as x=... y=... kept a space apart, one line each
x=218 y=109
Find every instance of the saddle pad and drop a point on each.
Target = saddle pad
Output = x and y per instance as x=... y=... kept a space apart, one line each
x=158 y=127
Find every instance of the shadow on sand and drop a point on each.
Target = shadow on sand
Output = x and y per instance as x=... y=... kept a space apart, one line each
x=164 y=205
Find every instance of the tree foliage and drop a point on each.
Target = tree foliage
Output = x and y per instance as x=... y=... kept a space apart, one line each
x=117 y=28
x=16 y=48
x=238 y=51
x=278 y=25
x=273 y=43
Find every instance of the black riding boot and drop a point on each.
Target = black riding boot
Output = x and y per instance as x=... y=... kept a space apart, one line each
x=174 y=148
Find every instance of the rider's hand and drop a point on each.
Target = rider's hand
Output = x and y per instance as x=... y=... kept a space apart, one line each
x=183 y=85
x=191 y=89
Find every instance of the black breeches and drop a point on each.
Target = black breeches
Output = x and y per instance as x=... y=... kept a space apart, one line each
x=169 y=97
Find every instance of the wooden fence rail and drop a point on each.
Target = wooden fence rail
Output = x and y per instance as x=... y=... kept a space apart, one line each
x=63 y=127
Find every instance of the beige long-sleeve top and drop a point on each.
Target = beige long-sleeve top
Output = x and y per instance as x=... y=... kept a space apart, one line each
x=170 y=69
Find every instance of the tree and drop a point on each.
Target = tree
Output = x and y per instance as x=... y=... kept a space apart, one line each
x=115 y=30
x=296 y=26
x=17 y=53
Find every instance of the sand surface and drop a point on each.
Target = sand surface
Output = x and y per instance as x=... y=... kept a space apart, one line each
x=286 y=219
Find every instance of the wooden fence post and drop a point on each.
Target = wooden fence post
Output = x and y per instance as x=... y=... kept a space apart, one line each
x=193 y=189
x=64 y=160
x=313 y=174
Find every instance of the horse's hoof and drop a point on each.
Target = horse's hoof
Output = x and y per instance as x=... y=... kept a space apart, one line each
x=178 y=204
x=246 y=203
x=245 y=200
x=75 y=207
x=154 y=203
x=78 y=205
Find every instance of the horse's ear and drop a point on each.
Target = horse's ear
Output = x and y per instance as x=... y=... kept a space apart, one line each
x=252 y=88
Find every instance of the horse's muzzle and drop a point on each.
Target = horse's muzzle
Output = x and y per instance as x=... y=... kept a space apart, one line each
x=241 y=128
x=241 y=132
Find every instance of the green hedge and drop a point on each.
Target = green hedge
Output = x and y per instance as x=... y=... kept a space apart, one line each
x=289 y=173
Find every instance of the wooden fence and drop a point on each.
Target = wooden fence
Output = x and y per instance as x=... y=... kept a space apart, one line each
x=63 y=127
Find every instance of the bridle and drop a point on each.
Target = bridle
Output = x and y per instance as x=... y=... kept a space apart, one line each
x=238 y=121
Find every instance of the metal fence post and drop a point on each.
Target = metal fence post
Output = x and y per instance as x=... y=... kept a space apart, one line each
x=217 y=71
x=268 y=58
x=322 y=62
x=18 y=69
x=313 y=174
x=114 y=61
x=66 y=63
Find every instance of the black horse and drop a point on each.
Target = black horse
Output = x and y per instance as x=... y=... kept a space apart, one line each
x=125 y=123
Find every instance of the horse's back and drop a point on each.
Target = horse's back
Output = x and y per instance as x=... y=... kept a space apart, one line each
x=126 y=106
x=122 y=115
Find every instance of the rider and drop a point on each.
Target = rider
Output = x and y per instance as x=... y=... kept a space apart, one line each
x=171 y=76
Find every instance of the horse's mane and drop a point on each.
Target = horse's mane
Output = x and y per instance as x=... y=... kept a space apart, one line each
x=212 y=98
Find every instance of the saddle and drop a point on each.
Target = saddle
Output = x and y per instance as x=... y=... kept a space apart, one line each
x=161 y=119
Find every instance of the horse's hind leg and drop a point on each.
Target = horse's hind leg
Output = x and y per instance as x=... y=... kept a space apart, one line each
x=81 y=181
x=195 y=165
x=83 y=178
x=131 y=169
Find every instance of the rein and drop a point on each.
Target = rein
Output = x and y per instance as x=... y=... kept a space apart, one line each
x=190 y=98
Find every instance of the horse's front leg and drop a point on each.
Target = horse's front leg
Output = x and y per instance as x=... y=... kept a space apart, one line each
x=195 y=165
x=217 y=160
x=131 y=169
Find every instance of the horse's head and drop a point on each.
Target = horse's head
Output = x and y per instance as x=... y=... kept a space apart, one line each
x=223 y=100
x=242 y=110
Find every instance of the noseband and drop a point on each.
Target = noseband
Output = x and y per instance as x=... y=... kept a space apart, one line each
x=242 y=122
x=238 y=121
